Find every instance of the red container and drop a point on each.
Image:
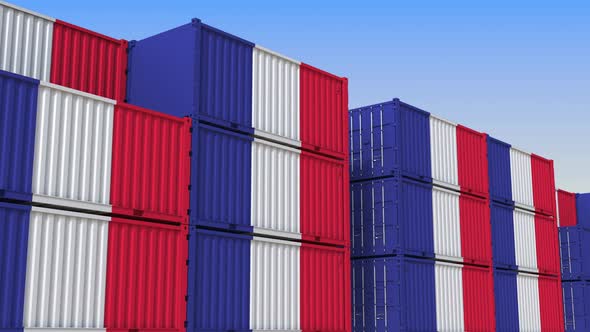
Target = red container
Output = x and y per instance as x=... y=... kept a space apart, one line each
x=324 y=199
x=472 y=161
x=478 y=299
x=551 y=303
x=476 y=232
x=547 y=242
x=324 y=112
x=88 y=61
x=325 y=289
x=566 y=203
x=543 y=185
x=151 y=164
x=146 y=276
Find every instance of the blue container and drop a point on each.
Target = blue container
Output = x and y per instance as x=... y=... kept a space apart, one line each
x=574 y=243
x=220 y=178
x=503 y=247
x=14 y=235
x=391 y=216
x=506 y=300
x=583 y=209
x=499 y=171
x=194 y=70
x=18 y=116
x=393 y=294
x=388 y=139
x=221 y=303
x=576 y=303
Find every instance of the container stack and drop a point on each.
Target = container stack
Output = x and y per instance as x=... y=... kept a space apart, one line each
x=421 y=237
x=268 y=217
x=574 y=238
x=93 y=191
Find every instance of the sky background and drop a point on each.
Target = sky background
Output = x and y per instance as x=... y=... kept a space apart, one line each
x=519 y=71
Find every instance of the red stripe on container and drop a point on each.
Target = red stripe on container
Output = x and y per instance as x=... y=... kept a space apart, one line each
x=547 y=242
x=567 y=208
x=543 y=184
x=551 y=303
x=476 y=233
x=472 y=162
x=478 y=299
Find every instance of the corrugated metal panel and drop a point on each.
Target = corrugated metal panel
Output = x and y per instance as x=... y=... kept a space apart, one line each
x=583 y=209
x=575 y=246
x=324 y=199
x=547 y=242
x=529 y=317
x=151 y=164
x=472 y=161
x=393 y=294
x=506 y=300
x=325 y=288
x=14 y=233
x=446 y=223
x=500 y=178
x=380 y=209
x=324 y=105
x=25 y=41
x=220 y=178
x=146 y=275
x=275 y=96
x=275 y=285
x=567 y=208
x=543 y=179
x=478 y=299
x=502 y=222
x=551 y=303
x=390 y=138
x=476 y=237
x=218 y=281
x=449 y=297
x=576 y=308
x=525 y=243
x=66 y=270
x=275 y=205
x=87 y=61
x=73 y=148
x=521 y=178
x=18 y=114
x=443 y=152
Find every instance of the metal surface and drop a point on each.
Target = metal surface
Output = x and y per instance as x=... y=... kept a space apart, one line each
x=14 y=233
x=150 y=164
x=525 y=243
x=275 y=191
x=146 y=276
x=324 y=105
x=503 y=236
x=478 y=299
x=446 y=223
x=18 y=117
x=472 y=161
x=73 y=148
x=88 y=61
x=449 y=297
x=547 y=242
x=506 y=300
x=521 y=178
x=551 y=303
x=25 y=41
x=575 y=303
x=566 y=212
x=583 y=209
x=543 y=185
x=476 y=237
x=66 y=270
x=499 y=171
x=275 y=96
x=443 y=152
x=529 y=316
x=575 y=246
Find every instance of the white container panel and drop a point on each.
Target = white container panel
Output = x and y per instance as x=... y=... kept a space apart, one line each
x=275 y=189
x=443 y=152
x=274 y=285
x=525 y=243
x=446 y=223
x=73 y=148
x=522 y=178
x=275 y=96
x=66 y=270
x=449 y=297
x=25 y=42
x=529 y=310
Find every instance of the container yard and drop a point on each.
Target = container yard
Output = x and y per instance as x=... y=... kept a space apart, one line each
x=194 y=180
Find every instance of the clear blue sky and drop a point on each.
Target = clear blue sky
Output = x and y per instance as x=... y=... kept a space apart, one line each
x=519 y=70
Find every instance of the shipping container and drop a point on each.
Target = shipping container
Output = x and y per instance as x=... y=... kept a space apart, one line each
x=575 y=248
x=525 y=243
x=521 y=178
x=547 y=241
x=476 y=233
x=503 y=244
x=500 y=178
x=88 y=61
x=576 y=303
x=239 y=282
x=25 y=41
x=506 y=300
x=18 y=113
x=14 y=233
x=146 y=276
x=583 y=209
x=391 y=138
x=543 y=177
x=566 y=209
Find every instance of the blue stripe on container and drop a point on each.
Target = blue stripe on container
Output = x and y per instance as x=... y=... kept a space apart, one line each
x=499 y=171
x=503 y=246
x=506 y=300
x=583 y=209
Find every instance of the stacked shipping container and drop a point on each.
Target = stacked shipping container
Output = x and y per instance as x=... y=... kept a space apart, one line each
x=269 y=180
